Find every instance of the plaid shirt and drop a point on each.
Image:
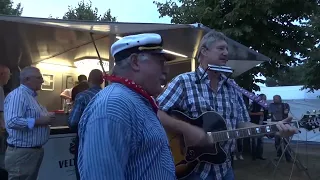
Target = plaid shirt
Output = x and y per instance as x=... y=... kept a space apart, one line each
x=192 y=94
x=81 y=101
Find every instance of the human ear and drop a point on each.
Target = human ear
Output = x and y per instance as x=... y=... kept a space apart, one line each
x=204 y=51
x=134 y=62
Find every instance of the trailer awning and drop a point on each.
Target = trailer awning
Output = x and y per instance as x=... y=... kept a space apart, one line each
x=25 y=41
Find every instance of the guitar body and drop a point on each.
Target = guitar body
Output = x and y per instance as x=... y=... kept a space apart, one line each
x=186 y=157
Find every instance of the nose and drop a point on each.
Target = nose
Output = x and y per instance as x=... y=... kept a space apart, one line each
x=225 y=52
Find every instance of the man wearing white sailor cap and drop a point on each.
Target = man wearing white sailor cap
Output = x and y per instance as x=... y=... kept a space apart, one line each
x=120 y=135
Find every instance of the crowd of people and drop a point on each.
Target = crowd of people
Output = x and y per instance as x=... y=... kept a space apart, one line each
x=276 y=111
x=121 y=128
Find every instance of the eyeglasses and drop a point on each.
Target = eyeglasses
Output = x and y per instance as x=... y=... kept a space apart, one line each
x=37 y=77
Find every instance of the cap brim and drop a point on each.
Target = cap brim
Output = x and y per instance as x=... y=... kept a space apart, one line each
x=168 y=56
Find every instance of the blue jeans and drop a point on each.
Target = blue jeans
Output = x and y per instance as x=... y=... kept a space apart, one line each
x=211 y=176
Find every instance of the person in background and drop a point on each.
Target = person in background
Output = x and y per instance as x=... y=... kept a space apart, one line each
x=27 y=123
x=257 y=116
x=121 y=137
x=66 y=94
x=4 y=78
x=82 y=86
x=66 y=99
x=80 y=103
x=278 y=111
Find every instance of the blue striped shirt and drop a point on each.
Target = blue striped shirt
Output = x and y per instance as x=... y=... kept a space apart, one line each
x=80 y=103
x=21 y=109
x=121 y=138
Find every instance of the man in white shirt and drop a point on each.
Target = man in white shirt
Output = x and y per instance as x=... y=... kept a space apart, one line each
x=27 y=123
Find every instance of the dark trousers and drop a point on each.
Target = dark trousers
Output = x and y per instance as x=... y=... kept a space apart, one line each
x=239 y=145
x=3 y=147
x=3 y=174
x=76 y=148
x=257 y=147
x=277 y=143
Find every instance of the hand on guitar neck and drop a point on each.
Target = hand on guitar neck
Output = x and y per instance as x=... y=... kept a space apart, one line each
x=285 y=130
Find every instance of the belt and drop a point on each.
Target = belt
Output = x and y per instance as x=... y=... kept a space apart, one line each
x=35 y=147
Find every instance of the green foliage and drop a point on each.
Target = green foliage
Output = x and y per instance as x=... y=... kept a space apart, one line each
x=6 y=8
x=290 y=76
x=264 y=25
x=85 y=11
x=312 y=75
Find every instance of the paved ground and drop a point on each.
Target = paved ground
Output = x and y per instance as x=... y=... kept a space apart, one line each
x=263 y=170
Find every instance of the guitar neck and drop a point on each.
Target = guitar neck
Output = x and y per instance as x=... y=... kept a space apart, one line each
x=244 y=132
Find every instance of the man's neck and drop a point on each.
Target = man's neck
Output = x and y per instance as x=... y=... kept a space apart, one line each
x=91 y=85
x=214 y=78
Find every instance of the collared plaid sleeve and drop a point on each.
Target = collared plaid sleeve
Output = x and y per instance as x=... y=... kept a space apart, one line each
x=242 y=109
x=172 y=97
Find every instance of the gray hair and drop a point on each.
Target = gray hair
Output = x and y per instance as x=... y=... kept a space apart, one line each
x=27 y=72
x=209 y=39
x=124 y=64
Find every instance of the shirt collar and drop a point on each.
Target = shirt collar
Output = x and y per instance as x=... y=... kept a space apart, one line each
x=28 y=90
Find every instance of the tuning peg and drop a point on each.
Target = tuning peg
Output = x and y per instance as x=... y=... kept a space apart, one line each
x=308 y=112
x=314 y=111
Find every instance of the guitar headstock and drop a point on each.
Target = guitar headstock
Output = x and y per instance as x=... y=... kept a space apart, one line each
x=310 y=120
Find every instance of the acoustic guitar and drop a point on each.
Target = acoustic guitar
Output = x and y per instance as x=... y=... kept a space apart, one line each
x=188 y=157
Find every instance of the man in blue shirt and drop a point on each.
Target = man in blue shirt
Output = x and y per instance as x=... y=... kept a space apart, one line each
x=27 y=123
x=121 y=137
x=81 y=101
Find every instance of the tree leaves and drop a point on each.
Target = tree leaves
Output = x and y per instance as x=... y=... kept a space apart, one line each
x=264 y=25
x=6 y=8
x=85 y=11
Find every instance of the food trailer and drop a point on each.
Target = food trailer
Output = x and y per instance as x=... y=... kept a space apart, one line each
x=64 y=49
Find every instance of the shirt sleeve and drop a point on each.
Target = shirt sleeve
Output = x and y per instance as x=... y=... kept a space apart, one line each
x=76 y=112
x=1 y=99
x=66 y=92
x=243 y=115
x=106 y=148
x=14 y=110
x=173 y=95
x=287 y=106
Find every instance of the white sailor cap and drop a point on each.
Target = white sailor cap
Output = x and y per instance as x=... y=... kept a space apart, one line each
x=147 y=42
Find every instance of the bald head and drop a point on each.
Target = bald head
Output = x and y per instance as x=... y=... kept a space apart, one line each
x=96 y=77
x=31 y=77
x=28 y=72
